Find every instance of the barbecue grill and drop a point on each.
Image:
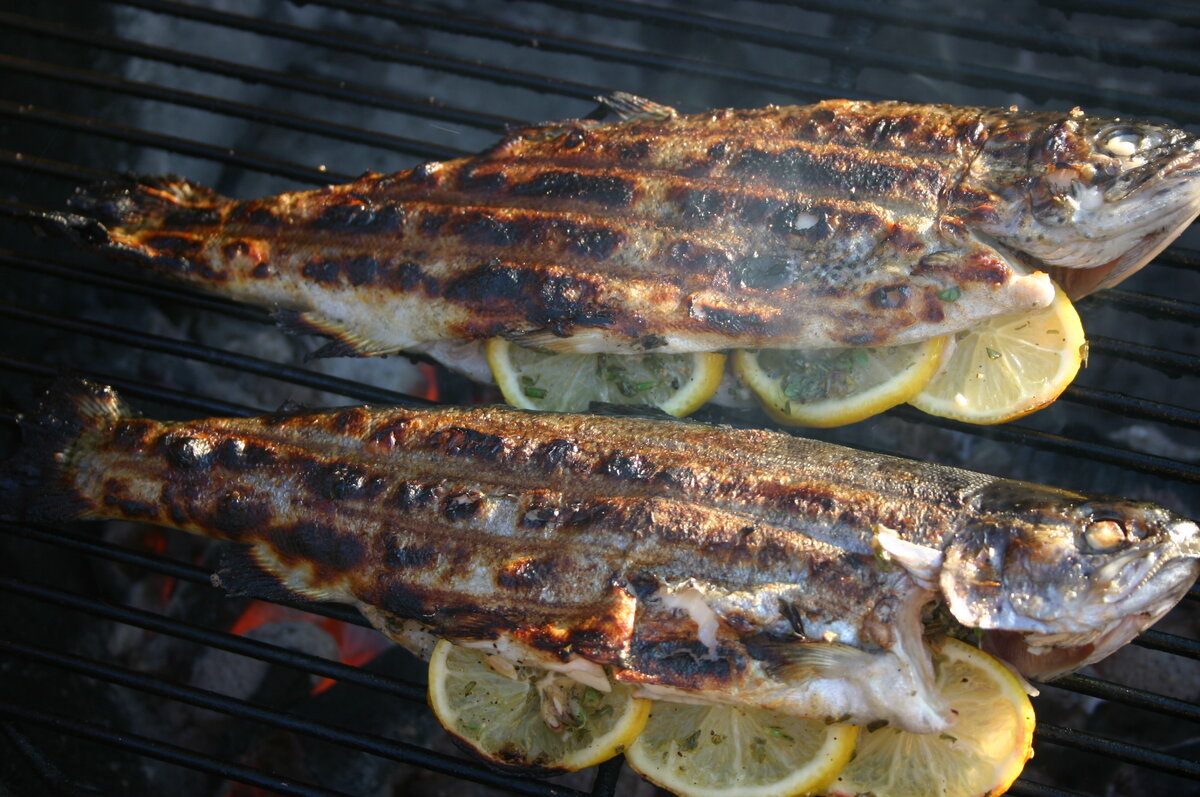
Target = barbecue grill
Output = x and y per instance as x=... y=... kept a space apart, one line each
x=259 y=97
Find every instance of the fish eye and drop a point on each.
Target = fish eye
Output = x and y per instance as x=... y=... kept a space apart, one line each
x=1120 y=142
x=1104 y=536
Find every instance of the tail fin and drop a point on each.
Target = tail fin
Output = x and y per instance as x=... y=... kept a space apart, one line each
x=33 y=484
x=108 y=216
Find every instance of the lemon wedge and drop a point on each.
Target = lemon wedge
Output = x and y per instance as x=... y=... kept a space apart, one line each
x=981 y=754
x=528 y=717
x=1008 y=367
x=832 y=387
x=678 y=384
x=723 y=751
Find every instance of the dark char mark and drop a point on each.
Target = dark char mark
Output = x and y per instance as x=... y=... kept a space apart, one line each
x=412 y=495
x=462 y=441
x=462 y=505
x=556 y=454
x=324 y=546
x=360 y=219
x=525 y=573
x=609 y=191
x=557 y=302
x=397 y=553
x=628 y=467
x=187 y=452
x=237 y=511
x=337 y=482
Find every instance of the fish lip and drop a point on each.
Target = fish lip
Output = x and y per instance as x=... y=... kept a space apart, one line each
x=1176 y=163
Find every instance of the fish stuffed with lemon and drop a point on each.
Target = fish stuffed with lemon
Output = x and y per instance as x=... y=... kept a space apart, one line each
x=840 y=225
x=692 y=562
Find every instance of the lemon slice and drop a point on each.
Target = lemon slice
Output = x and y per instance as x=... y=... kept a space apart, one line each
x=1009 y=366
x=537 y=380
x=832 y=387
x=981 y=754
x=526 y=716
x=723 y=751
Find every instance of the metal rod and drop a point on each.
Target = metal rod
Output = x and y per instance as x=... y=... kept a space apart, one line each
x=1042 y=88
x=1122 y=751
x=1130 y=696
x=988 y=29
x=384 y=52
x=83 y=125
x=152 y=748
x=239 y=110
x=303 y=84
x=390 y=749
x=1168 y=643
x=227 y=359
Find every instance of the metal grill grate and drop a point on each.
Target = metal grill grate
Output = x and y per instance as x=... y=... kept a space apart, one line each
x=254 y=97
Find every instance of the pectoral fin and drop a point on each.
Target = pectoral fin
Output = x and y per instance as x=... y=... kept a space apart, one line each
x=921 y=562
x=346 y=342
x=630 y=106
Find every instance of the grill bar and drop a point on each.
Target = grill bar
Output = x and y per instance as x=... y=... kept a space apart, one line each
x=1117 y=53
x=241 y=362
x=1169 y=643
x=1087 y=685
x=968 y=74
x=1152 y=306
x=1171 y=363
x=162 y=751
x=1112 y=748
x=132 y=135
x=256 y=113
x=383 y=52
x=1132 y=9
x=302 y=84
x=367 y=743
x=641 y=58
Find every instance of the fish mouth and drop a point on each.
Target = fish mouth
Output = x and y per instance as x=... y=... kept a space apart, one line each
x=1169 y=185
x=1045 y=655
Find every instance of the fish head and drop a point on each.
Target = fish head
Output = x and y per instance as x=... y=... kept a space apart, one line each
x=1087 y=199
x=1056 y=580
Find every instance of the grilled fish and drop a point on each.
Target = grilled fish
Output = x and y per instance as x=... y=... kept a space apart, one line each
x=700 y=563
x=831 y=225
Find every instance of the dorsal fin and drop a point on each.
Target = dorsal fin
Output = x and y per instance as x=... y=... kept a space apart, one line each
x=630 y=107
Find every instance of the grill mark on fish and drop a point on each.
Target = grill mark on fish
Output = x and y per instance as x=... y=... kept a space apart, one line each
x=683 y=556
x=796 y=227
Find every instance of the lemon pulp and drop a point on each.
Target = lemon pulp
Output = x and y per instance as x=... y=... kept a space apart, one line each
x=832 y=387
x=724 y=751
x=678 y=384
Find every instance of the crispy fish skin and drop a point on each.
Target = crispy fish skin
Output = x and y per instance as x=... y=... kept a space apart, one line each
x=702 y=563
x=831 y=225
x=837 y=224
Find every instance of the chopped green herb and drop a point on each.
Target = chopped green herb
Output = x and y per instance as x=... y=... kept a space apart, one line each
x=591 y=697
x=534 y=392
x=471 y=726
x=470 y=687
x=778 y=733
x=951 y=294
x=947 y=737
x=992 y=353
x=689 y=742
x=876 y=725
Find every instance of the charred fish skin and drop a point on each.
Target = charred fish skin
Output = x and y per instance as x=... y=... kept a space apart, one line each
x=837 y=224
x=701 y=563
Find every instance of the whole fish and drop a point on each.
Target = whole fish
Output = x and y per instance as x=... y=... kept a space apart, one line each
x=700 y=563
x=831 y=225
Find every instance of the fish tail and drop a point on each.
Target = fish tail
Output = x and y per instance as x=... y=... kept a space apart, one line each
x=34 y=484
x=162 y=221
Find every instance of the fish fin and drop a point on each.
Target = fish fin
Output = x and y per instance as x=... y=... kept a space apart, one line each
x=346 y=342
x=583 y=341
x=922 y=562
x=242 y=574
x=805 y=659
x=33 y=483
x=629 y=107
